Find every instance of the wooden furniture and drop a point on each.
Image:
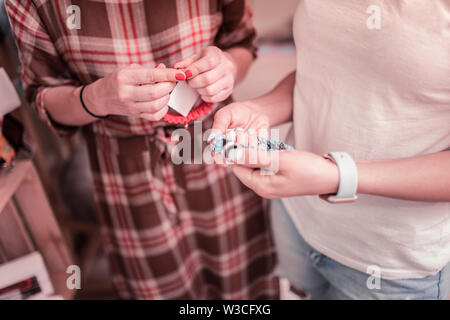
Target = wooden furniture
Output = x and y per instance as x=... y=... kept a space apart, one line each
x=27 y=224
x=50 y=153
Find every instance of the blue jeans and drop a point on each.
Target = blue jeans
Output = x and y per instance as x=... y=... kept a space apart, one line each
x=324 y=278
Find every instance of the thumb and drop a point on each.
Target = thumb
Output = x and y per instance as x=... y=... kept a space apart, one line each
x=222 y=120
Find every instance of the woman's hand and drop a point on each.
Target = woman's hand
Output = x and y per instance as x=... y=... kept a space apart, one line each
x=245 y=119
x=287 y=173
x=133 y=91
x=243 y=115
x=212 y=72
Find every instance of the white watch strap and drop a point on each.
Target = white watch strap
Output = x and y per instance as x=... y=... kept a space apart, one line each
x=348 y=177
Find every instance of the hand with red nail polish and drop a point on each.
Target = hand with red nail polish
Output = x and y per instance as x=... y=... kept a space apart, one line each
x=212 y=72
x=134 y=91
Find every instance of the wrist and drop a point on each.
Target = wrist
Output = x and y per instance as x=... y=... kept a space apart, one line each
x=232 y=65
x=347 y=176
x=91 y=99
x=329 y=178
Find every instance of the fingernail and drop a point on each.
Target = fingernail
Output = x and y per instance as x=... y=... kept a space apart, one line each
x=211 y=136
x=251 y=131
x=231 y=135
x=188 y=74
x=176 y=63
x=159 y=65
x=180 y=76
x=234 y=154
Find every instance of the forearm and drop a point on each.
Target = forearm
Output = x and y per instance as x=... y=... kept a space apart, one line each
x=421 y=178
x=242 y=59
x=64 y=106
x=277 y=104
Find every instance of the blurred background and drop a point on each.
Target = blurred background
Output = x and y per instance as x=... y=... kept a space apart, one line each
x=63 y=173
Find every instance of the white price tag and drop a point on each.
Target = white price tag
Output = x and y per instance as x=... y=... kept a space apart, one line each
x=183 y=98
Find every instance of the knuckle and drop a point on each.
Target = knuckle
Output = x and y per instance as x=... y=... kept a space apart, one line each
x=131 y=110
x=158 y=104
x=161 y=103
x=165 y=90
x=152 y=95
x=161 y=114
x=208 y=78
x=222 y=97
x=122 y=95
x=212 y=60
x=120 y=76
x=212 y=49
x=150 y=76
x=166 y=99
x=152 y=107
x=227 y=93
x=210 y=90
x=194 y=83
x=216 y=98
x=150 y=117
x=165 y=110
x=206 y=98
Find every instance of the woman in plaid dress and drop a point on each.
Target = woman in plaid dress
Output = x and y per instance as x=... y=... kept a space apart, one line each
x=189 y=231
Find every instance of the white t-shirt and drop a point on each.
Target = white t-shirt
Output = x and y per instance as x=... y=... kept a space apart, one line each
x=376 y=94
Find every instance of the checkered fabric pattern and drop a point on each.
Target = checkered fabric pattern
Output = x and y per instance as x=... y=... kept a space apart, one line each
x=189 y=231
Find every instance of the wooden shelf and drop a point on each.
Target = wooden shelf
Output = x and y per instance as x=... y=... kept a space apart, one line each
x=10 y=181
x=28 y=224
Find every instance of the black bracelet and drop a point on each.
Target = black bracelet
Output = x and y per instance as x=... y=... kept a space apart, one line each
x=85 y=108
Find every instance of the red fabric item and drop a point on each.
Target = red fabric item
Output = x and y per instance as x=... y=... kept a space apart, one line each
x=194 y=114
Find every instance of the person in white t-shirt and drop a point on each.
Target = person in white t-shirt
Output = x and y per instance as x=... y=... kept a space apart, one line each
x=371 y=90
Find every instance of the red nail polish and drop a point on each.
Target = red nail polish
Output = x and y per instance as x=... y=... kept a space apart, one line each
x=188 y=74
x=180 y=76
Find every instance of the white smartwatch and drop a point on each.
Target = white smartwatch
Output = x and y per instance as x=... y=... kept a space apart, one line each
x=348 y=178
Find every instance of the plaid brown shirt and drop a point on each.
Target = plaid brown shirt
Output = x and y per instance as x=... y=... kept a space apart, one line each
x=171 y=231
